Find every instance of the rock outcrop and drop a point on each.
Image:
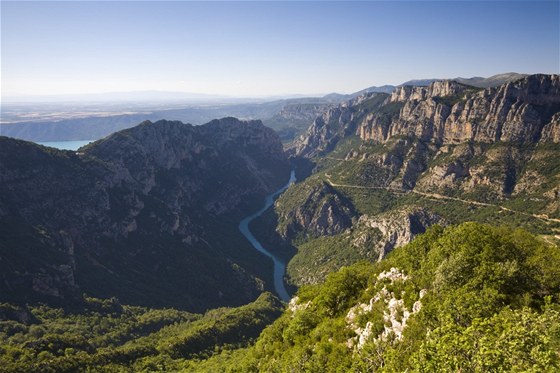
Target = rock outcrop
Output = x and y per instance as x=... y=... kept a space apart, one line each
x=395 y=312
x=435 y=89
x=446 y=112
x=323 y=213
x=453 y=137
x=325 y=131
x=551 y=131
x=336 y=123
x=382 y=233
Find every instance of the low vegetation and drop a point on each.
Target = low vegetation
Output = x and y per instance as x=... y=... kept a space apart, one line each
x=465 y=298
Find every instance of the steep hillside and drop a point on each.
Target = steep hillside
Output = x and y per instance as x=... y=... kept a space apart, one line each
x=294 y=118
x=148 y=215
x=107 y=336
x=455 y=152
x=337 y=123
x=468 y=298
x=465 y=298
x=449 y=138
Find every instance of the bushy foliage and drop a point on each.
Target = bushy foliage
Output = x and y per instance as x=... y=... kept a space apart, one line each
x=520 y=340
x=105 y=336
x=491 y=304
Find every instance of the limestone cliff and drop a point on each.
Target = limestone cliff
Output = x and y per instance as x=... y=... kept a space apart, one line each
x=435 y=89
x=466 y=152
x=446 y=112
x=325 y=131
x=323 y=212
x=369 y=238
x=294 y=117
x=336 y=123
x=450 y=112
x=383 y=233
x=551 y=131
x=457 y=137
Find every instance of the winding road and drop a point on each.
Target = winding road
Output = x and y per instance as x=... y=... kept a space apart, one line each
x=441 y=196
x=279 y=264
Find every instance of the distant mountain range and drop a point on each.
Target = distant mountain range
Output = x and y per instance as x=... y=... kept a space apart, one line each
x=476 y=81
x=132 y=96
x=191 y=97
x=192 y=108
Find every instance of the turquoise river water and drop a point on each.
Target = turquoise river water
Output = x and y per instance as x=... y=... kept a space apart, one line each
x=279 y=263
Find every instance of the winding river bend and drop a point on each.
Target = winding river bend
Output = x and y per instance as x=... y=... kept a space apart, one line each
x=279 y=264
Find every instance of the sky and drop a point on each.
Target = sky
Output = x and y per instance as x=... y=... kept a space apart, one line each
x=267 y=48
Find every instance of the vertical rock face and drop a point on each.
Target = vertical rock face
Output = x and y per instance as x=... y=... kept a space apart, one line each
x=435 y=89
x=514 y=112
x=448 y=112
x=395 y=229
x=335 y=124
x=517 y=114
x=137 y=215
x=551 y=131
x=323 y=213
x=325 y=131
x=446 y=146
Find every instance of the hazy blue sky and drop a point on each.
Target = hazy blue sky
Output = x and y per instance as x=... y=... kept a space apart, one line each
x=264 y=48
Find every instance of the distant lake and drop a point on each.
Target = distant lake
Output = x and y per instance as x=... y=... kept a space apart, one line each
x=66 y=145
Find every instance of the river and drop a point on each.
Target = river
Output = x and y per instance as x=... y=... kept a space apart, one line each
x=279 y=264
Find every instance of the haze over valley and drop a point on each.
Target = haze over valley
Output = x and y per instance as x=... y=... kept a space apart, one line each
x=68 y=118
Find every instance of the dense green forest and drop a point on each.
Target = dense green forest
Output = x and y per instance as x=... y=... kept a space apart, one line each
x=467 y=298
x=106 y=336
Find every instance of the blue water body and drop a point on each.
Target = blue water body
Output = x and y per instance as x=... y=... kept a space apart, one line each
x=66 y=145
x=279 y=264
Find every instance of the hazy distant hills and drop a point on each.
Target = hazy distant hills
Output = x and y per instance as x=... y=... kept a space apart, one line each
x=133 y=96
x=476 y=81
x=130 y=108
x=84 y=126
x=493 y=81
